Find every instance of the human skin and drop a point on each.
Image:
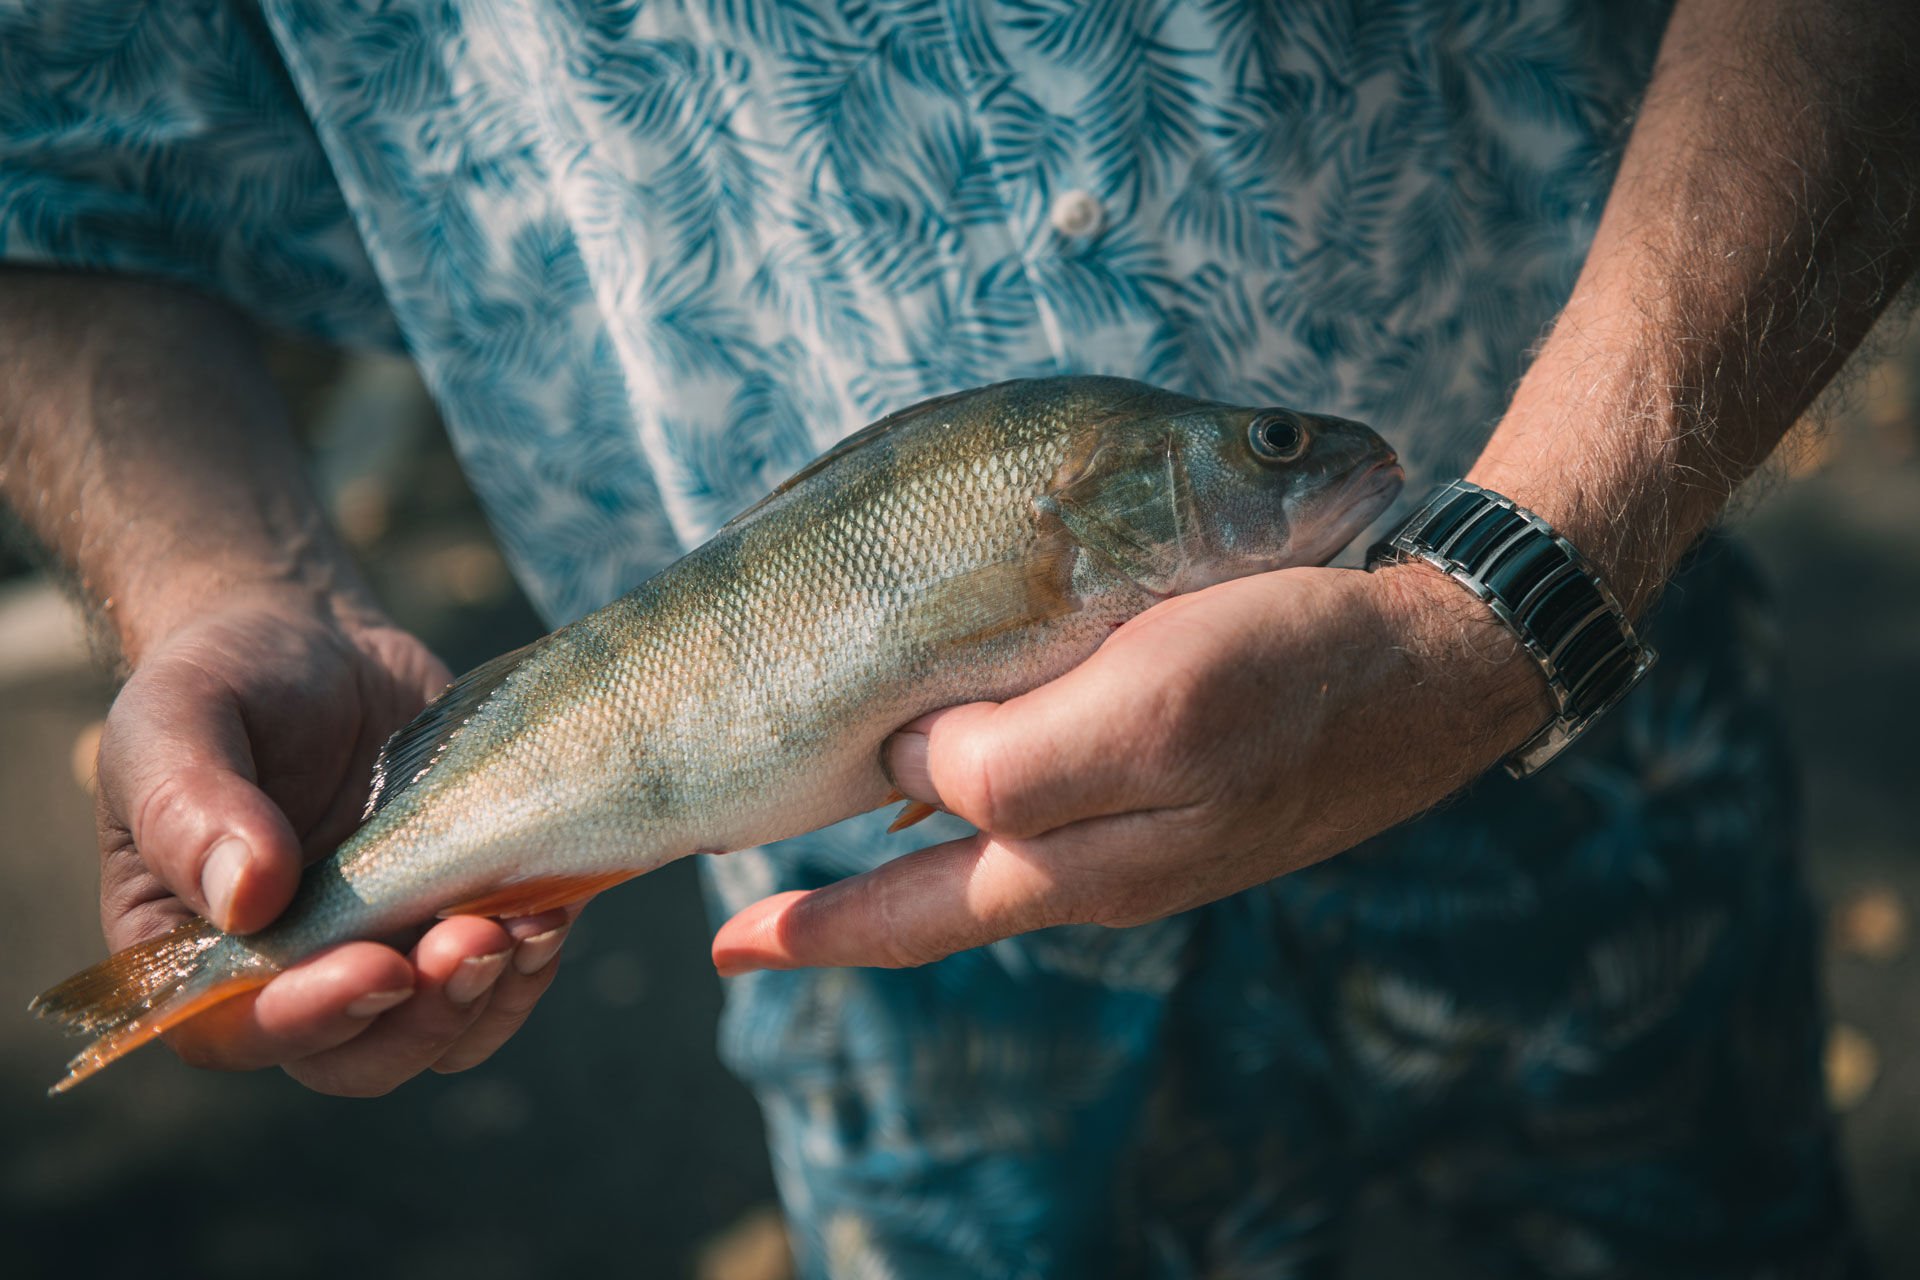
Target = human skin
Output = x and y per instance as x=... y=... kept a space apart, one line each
x=142 y=440
x=1761 y=219
x=1763 y=216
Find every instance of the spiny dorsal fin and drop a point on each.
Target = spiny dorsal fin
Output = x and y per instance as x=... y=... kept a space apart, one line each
x=412 y=751
x=865 y=435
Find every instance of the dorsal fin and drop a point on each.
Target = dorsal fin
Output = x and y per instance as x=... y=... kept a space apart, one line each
x=411 y=752
x=864 y=436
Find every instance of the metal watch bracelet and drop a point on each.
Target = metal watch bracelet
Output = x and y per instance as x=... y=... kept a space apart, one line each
x=1543 y=589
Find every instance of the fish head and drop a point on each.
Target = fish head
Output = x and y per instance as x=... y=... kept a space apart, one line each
x=1180 y=501
x=1277 y=487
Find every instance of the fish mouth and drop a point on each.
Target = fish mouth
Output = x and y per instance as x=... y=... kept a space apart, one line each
x=1377 y=486
x=1364 y=496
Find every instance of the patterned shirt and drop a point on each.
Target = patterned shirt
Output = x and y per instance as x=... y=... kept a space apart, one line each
x=650 y=257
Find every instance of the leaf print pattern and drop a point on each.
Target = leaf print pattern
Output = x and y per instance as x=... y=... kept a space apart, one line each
x=651 y=256
x=869 y=177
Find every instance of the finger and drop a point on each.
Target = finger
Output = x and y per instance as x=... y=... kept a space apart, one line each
x=530 y=972
x=311 y=1008
x=176 y=784
x=456 y=965
x=1083 y=746
x=915 y=909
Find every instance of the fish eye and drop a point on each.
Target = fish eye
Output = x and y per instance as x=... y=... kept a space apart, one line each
x=1277 y=436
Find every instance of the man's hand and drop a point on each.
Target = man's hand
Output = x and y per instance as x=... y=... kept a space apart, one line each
x=142 y=440
x=241 y=748
x=1215 y=742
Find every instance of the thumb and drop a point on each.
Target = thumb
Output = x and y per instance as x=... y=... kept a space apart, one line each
x=177 y=790
x=1082 y=746
x=910 y=911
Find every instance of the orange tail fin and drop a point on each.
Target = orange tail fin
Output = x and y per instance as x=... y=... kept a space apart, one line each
x=149 y=988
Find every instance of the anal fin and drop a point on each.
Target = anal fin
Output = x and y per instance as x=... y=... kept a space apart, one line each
x=539 y=893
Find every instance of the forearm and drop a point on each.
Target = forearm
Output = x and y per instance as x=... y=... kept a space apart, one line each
x=142 y=440
x=1763 y=216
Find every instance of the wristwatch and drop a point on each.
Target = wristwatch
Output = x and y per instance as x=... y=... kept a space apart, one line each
x=1543 y=589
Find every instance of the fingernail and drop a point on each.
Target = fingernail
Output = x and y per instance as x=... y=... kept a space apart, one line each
x=536 y=953
x=905 y=758
x=378 y=1002
x=220 y=877
x=474 y=976
x=734 y=968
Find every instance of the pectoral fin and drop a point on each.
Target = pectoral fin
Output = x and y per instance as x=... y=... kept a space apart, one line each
x=993 y=599
x=1129 y=502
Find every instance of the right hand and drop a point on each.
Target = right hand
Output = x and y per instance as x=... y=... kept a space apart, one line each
x=240 y=749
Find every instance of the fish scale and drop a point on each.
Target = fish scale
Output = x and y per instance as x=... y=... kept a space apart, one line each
x=969 y=548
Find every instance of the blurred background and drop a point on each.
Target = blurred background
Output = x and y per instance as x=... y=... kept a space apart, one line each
x=608 y=1136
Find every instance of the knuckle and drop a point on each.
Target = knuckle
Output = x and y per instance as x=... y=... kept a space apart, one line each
x=898 y=944
x=895 y=954
x=998 y=797
x=969 y=787
x=163 y=821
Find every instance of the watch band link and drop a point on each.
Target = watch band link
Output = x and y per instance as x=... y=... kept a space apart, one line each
x=1543 y=589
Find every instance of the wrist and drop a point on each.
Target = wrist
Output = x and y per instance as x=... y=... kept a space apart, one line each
x=1470 y=672
x=1629 y=544
x=156 y=601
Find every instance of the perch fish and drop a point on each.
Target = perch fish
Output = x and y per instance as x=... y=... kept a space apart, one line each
x=970 y=547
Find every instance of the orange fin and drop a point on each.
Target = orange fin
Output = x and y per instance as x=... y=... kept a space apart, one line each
x=532 y=896
x=130 y=983
x=915 y=811
x=119 y=1043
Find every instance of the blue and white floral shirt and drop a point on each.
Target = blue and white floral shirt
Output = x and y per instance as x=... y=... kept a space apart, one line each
x=652 y=256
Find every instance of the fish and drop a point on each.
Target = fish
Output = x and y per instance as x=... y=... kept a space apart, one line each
x=971 y=547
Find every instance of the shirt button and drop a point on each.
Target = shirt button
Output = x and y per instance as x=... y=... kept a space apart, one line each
x=1076 y=213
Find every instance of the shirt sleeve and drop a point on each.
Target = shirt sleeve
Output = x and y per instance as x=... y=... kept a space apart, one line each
x=167 y=140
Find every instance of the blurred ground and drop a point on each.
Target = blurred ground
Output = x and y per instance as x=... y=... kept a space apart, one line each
x=609 y=1138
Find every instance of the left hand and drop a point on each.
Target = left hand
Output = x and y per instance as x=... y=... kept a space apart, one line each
x=250 y=722
x=1215 y=742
